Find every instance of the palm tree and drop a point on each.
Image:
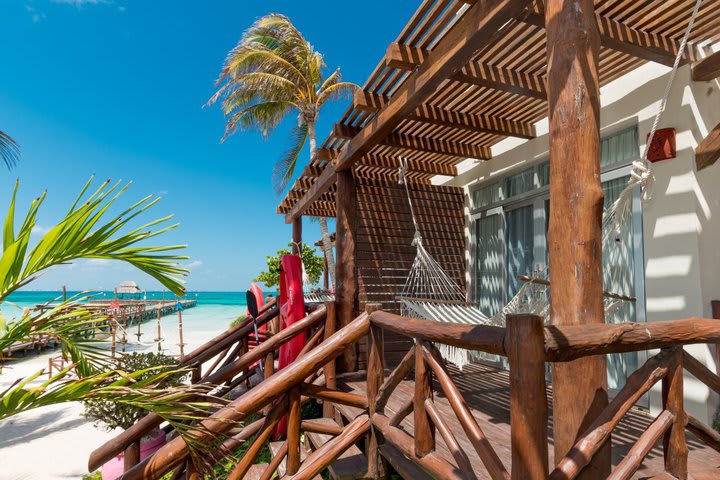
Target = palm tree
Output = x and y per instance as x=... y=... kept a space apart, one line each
x=271 y=72
x=9 y=150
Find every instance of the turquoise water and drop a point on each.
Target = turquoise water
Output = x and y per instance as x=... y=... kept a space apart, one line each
x=213 y=313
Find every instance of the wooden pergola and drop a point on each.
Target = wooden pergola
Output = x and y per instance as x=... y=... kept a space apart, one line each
x=464 y=75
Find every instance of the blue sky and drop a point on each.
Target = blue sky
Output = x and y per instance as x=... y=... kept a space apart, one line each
x=115 y=88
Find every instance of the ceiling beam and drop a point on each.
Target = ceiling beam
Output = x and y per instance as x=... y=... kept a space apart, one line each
x=707 y=69
x=404 y=57
x=369 y=102
x=505 y=80
x=420 y=144
x=423 y=166
x=622 y=38
x=325 y=154
x=472 y=32
x=322 y=183
x=473 y=122
x=708 y=151
x=434 y=145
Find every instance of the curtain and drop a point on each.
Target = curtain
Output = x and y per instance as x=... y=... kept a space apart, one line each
x=519 y=245
x=618 y=277
x=489 y=275
x=619 y=148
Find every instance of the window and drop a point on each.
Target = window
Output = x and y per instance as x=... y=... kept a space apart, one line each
x=511 y=223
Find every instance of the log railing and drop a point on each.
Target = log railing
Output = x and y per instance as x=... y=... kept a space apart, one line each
x=281 y=394
x=528 y=345
x=228 y=362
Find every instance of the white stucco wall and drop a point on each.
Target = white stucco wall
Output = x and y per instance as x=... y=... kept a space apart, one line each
x=681 y=223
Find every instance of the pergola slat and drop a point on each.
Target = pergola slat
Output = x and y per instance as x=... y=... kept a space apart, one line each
x=707 y=69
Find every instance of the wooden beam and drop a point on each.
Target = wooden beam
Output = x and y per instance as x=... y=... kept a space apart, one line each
x=345 y=275
x=424 y=166
x=576 y=207
x=322 y=183
x=474 y=30
x=707 y=69
x=369 y=102
x=433 y=145
x=505 y=80
x=473 y=122
x=708 y=151
x=325 y=154
x=622 y=38
x=421 y=144
x=404 y=57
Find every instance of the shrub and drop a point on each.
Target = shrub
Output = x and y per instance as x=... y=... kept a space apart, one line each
x=113 y=414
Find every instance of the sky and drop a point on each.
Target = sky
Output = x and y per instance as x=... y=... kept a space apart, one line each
x=116 y=88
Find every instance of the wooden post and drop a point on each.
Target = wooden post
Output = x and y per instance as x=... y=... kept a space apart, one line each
x=424 y=429
x=297 y=236
x=329 y=368
x=326 y=274
x=293 y=431
x=64 y=293
x=375 y=378
x=159 y=332
x=528 y=402
x=674 y=446
x=132 y=456
x=182 y=342
x=576 y=205
x=345 y=278
x=716 y=314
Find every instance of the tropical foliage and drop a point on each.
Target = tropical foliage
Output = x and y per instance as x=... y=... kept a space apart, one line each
x=88 y=231
x=271 y=72
x=109 y=413
x=313 y=265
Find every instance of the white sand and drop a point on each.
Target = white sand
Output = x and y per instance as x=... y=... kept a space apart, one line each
x=55 y=442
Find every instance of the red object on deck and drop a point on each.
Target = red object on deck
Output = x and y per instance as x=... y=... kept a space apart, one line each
x=292 y=309
x=258 y=294
x=662 y=146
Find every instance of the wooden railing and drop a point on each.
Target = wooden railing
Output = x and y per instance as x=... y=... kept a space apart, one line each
x=280 y=394
x=528 y=345
x=525 y=342
x=230 y=357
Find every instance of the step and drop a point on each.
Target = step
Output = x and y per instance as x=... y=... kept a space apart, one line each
x=275 y=448
x=350 y=465
x=255 y=471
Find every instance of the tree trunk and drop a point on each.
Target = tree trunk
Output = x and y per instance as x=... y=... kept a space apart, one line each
x=326 y=243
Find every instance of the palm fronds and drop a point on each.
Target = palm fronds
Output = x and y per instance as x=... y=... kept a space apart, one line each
x=85 y=232
x=9 y=150
x=273 y=70
x=284 y=168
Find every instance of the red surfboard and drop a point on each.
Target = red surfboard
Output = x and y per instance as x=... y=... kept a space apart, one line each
x=292 y=309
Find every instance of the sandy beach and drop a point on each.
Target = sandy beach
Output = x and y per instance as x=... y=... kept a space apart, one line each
x=54 y=442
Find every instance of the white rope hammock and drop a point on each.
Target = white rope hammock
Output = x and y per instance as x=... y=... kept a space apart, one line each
x=431 y=293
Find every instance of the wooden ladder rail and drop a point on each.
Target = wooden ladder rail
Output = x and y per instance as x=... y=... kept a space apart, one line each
x=176 y=451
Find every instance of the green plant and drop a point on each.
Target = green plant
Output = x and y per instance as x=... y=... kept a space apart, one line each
x=271 y=72
x=112 y=414
x=238 y=320
x=313 y=265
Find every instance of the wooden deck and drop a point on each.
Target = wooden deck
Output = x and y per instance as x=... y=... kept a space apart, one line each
x=486 y=391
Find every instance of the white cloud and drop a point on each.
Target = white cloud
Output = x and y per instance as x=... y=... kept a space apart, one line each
x=39 y=230
x=36 y=15
x=195 y=264
x=98 y=262
x=82 y=3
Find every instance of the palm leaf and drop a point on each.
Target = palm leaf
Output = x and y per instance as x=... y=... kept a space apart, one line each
x=285 y=167
x=9 y=150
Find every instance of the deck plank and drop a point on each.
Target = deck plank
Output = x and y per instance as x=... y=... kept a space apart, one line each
x=487 y=393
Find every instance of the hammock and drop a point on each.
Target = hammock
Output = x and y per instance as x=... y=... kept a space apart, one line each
x=431 y=293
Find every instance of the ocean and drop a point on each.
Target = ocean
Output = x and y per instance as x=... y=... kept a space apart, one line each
x=212 y=315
